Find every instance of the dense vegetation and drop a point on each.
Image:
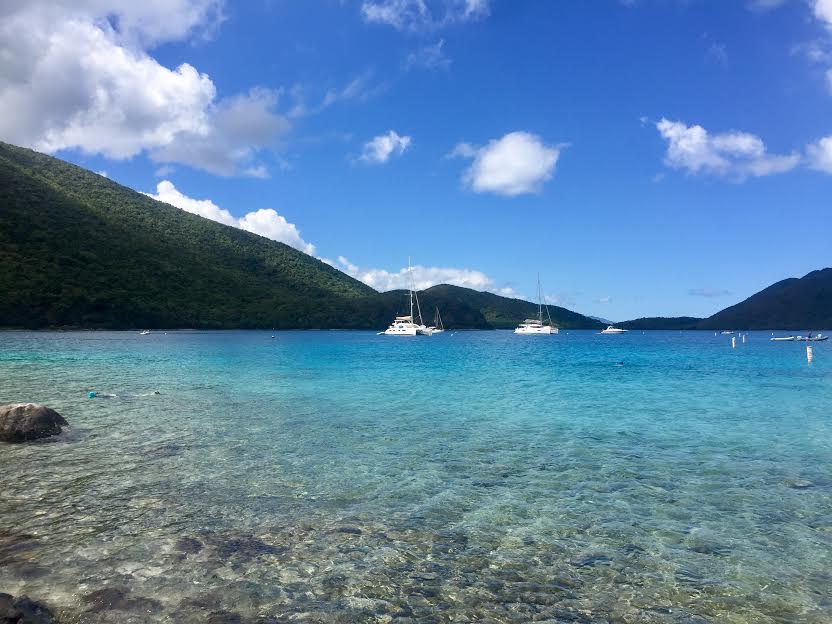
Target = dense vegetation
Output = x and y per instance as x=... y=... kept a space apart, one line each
x=78 y=250
x=793 y=303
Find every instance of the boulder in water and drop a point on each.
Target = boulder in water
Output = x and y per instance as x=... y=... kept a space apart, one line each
x=21 y=422
x=24 y=610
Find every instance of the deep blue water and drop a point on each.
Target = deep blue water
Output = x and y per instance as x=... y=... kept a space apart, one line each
x=344 y=476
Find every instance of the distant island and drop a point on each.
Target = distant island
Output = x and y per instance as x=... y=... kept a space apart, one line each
x=78 y=250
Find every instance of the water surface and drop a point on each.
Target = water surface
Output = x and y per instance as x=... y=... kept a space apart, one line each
x=467 y=477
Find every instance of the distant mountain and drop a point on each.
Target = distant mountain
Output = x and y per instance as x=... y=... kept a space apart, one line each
x=601 y=320
x=662 y=322
x=463 y=307
x=793 y=303
x=78 y=250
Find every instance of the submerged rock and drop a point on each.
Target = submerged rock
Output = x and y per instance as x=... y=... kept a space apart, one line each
x=24 y=610
x=21 y=422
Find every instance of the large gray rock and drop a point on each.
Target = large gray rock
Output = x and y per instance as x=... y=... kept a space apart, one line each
x=21 y=422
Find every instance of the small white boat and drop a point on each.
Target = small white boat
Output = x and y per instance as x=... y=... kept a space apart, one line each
x=536 y=326
x=727 y=332
x=811 y=338
x=144 y=332
x=613 y=330
x=783 y=339
x=437 y=327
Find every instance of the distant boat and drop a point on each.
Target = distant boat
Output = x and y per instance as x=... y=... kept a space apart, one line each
x=783 y=339
x=144 y=332
x=536 y=326
x=613 y=330
x=437 y=327
x=727 y=332
x=811 y=338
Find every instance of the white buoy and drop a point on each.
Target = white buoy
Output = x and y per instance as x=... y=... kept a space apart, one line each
x=743 y=338
x=809 y=355
x=733 y=342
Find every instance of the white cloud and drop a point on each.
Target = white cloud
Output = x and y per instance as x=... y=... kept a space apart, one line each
x=823 y=11
x=604 y=300
x=102 y=173
x=78 y=75
x=428 y=57
x=423 y=277
x=265 y=222
x=379 y=149
x=416 y=15
x=709 y=292
x=515 y=164
x=820 y=155
x=737 y=155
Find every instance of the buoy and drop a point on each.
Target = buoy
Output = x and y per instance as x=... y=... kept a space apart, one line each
x=733 y=342
x=809 y=355
x=743 y=338
x=91 y=395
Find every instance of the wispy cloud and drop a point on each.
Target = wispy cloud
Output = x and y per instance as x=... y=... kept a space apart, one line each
x=515 y=164
x=820 y=155
x=417 y=16
x=428 y=57
x=709 y=292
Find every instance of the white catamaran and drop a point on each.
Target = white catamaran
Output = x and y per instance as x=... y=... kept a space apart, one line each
x=405 y=325
x=536 y=326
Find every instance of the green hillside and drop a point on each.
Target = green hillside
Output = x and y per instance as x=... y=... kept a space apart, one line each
x=463 y=307
x=804 y=303
x=78 y=250
x=662 y=322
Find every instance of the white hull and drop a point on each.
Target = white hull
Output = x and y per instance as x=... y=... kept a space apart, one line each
x=785 y=339
x=544 y=330
x=613 y=330
x=395 y=330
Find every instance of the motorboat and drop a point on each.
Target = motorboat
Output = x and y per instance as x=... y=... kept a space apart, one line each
x=611 y=329
x=536 y=326
x=144 y=332
x=727 y=332
x=811 y=338
x=783 y=339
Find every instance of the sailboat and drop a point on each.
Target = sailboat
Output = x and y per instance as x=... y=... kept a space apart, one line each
x=536 y=326
x=405 y=325
x=437 y=327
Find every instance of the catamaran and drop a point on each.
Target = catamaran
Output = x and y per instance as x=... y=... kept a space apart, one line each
x=405 y=325
x=536 y=326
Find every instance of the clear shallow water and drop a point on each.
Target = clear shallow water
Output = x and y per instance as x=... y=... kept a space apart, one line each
x=481 y=476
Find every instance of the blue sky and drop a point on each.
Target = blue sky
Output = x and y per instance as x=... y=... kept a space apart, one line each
x=648 y=157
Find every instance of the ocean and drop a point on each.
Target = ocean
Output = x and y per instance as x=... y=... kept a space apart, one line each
x=465 y=477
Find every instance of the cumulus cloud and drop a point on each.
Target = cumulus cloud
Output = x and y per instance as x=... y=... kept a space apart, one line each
x=515 y=164
x=423 y=277
x=380 y=149
x=265 y=222
x=737 y=155
x=823 y=11
x=416 y=15
x=819 y=155
x=79 y=75
x=709 y=292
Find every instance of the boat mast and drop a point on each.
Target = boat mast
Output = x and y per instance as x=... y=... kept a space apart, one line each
x=539 y=301
x=410 y=275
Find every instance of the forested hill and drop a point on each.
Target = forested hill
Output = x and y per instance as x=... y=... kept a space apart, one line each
x=793 y=303
x=78 y=250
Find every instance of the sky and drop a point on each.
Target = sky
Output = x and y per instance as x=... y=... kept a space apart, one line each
x=644 y=157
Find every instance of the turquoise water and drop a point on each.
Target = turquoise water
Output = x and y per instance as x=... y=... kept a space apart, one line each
x=480 y=476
